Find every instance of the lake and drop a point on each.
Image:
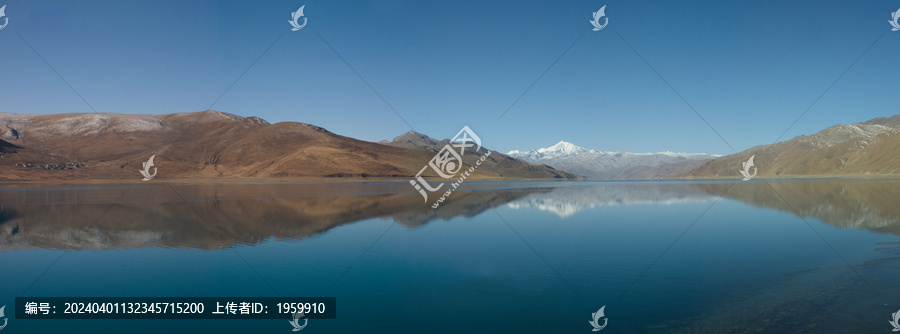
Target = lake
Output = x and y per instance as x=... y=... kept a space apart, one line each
x=496 y=257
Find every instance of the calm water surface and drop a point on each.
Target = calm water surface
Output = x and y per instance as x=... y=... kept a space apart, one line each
x=497 y=257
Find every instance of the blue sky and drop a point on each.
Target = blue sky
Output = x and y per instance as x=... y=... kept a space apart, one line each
x=749 y=68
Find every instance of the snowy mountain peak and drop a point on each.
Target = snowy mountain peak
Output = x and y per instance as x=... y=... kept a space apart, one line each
x=597 y=164
x=563 y=148
x=560 y=150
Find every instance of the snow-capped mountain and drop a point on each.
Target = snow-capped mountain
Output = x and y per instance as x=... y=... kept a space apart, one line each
x=596 y=164
x=562 y=149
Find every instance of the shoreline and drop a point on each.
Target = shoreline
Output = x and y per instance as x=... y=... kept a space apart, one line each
x=331 y=180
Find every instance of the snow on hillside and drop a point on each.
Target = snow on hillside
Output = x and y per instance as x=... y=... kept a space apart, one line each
x=612 y=165
x=565 y=149
x=560 y=150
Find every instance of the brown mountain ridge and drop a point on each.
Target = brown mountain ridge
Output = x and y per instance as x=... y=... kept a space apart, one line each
x=212 y=144
x=860 y=149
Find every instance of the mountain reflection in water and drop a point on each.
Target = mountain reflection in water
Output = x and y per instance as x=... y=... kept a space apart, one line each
x=217 y=216
x=213 y=217
x=870 y=205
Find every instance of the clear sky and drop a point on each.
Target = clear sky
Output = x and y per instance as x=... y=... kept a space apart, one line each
x=749 y=68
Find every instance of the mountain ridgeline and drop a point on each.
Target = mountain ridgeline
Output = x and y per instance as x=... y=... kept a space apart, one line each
x=212 y=144
x=868 y=148
x=604 y=165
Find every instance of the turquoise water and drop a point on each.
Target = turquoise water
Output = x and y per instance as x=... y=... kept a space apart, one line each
x=521 y=257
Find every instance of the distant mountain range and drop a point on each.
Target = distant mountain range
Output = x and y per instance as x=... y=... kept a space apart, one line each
x=595 y=164
x=866 y=148
x=212 y=144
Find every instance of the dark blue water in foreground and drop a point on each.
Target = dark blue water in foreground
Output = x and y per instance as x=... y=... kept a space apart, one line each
x=524 y=257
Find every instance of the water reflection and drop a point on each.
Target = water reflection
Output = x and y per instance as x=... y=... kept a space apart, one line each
x=870 y=205
x=567 y=201
x=213 y=217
